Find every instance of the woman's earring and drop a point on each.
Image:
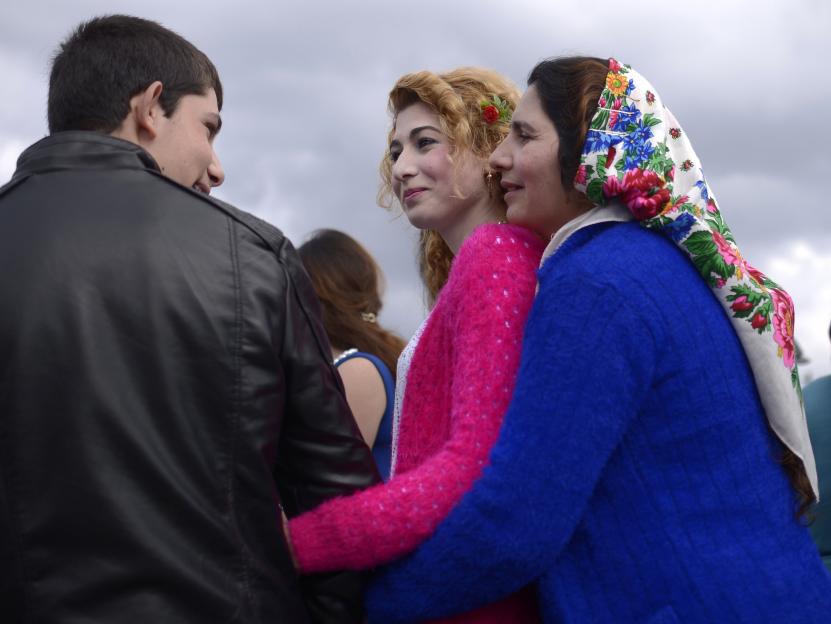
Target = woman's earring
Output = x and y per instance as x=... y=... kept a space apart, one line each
x=489 y=183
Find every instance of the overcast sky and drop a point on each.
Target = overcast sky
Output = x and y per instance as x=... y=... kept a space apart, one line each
x=305 y=117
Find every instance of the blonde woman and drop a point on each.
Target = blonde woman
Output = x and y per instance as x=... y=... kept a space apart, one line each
x=456 y=376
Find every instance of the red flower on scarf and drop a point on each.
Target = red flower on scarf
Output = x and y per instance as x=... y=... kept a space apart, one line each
x=675 y=133
x=490 y=114
x=642 y=192
x=645 y=207
x=650 y=97
x=741 y=304
x=610 y=156
x=641 y=179
x=614 y=66
x=758 y=321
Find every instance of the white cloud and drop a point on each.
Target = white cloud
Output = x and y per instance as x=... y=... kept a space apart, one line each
x=9 y=151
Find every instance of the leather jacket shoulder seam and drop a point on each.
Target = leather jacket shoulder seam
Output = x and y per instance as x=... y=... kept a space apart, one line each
x=14 y=182
x=236 y=403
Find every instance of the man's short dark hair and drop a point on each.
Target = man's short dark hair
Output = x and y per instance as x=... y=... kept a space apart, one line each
x=109 y=59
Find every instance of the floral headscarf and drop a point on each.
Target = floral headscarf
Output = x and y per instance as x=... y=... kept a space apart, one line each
x=636 y=152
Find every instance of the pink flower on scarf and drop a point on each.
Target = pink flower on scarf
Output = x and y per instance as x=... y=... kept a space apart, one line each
x=644 y=206
x=741 y=304
x=614 y=114
x=783 y=324
x=756 y=274
x=642 y=192
x=730 y=255
x=711 y=206
x=602 y=102
x=580 y=177
x=612 y=187
x=614 y=66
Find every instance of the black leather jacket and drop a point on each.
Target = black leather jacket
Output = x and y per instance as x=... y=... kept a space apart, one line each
x=164 y=382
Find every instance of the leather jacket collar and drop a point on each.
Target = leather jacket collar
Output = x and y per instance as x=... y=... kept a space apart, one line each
x=82 y=150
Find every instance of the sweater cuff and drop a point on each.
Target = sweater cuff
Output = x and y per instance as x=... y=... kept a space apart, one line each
x=312 y=535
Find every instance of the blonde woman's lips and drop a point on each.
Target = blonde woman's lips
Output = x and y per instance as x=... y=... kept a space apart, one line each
x=413 y=194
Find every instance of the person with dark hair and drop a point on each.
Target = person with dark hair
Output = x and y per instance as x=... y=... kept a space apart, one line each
x=347 y=281
x=654 y=460
x=454 y=377
x=167 y=384
x=818 y=412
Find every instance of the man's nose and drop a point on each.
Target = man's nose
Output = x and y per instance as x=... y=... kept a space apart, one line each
x=216 y=173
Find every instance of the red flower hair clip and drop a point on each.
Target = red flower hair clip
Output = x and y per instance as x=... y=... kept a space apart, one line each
x=494 y=110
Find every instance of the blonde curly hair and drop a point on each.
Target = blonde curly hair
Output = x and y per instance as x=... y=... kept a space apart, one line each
x=456 y=98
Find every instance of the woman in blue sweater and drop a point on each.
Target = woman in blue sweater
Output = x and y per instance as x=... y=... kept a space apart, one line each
x=654 y=461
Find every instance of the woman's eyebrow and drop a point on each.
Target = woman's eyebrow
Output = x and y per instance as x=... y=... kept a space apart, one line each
x=415 y=131
x=521 y=126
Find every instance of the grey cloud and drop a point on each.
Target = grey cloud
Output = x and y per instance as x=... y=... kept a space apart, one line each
x=306 y=85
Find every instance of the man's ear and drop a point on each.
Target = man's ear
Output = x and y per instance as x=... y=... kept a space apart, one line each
x=147 y=110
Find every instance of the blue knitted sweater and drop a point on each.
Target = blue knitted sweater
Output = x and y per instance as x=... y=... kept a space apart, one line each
x=635 y=477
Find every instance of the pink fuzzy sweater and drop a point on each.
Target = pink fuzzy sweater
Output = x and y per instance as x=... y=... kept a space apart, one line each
x=458 y=387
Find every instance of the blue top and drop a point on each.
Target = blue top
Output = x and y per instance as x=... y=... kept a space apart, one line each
x=382 y=448
x=818 y=411
x=635 y=478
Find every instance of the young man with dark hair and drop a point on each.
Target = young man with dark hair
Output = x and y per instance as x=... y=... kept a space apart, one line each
x=166 y=382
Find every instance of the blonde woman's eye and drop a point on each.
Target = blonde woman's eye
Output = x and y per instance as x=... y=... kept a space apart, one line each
x=425 y=141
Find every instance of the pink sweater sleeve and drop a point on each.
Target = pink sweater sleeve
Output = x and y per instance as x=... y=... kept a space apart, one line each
x=489 y=294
